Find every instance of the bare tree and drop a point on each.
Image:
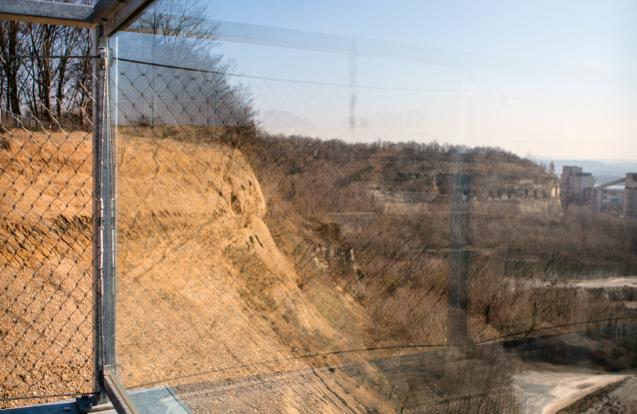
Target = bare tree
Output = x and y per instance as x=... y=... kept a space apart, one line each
x=9 y=47
x=39 y=73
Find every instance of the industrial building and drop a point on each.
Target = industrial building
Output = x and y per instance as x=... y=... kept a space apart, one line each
x=575 y=185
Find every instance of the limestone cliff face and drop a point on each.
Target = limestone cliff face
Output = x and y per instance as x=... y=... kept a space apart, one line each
x=204 y=291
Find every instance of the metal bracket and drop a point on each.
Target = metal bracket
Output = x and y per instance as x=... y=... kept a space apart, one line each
x=85 y=403
x=115 y=14
x=117 y=392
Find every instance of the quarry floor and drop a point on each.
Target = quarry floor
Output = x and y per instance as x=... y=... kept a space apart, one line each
x=496 y=378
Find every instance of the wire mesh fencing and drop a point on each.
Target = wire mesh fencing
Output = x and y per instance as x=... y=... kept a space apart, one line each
x=46 y=199
x=160 y=95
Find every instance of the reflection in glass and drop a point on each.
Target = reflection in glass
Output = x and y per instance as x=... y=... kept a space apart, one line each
x=313 y=222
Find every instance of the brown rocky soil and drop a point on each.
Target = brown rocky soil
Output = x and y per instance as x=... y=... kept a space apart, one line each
x=46 y=299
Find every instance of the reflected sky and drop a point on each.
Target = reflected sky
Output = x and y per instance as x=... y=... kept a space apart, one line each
x=544 y=79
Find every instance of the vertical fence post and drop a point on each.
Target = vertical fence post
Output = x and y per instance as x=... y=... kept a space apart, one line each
x=113 y=107
x=97 y=218
x=104 y=217
x=108 y=191
x=458 y=298
x=460 y=234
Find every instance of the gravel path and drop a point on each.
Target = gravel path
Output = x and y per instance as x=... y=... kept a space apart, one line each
x=618 y=399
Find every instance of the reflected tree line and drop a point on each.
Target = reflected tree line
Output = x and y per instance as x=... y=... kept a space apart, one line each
x=176 y=78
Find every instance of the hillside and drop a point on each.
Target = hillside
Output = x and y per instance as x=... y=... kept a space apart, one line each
x=379 y=216
x=356 y=273
x=241 y=254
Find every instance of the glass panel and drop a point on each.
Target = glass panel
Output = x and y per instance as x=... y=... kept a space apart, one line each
x=373 y=207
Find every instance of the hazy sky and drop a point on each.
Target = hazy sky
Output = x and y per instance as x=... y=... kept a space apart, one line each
x=548 y=78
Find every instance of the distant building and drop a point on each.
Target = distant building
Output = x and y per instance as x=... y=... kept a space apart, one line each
x=630 y=195
x=575 y=185
x=609 y=199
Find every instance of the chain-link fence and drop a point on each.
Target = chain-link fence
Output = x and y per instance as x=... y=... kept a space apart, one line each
x=159 y=95
x=46 y=200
